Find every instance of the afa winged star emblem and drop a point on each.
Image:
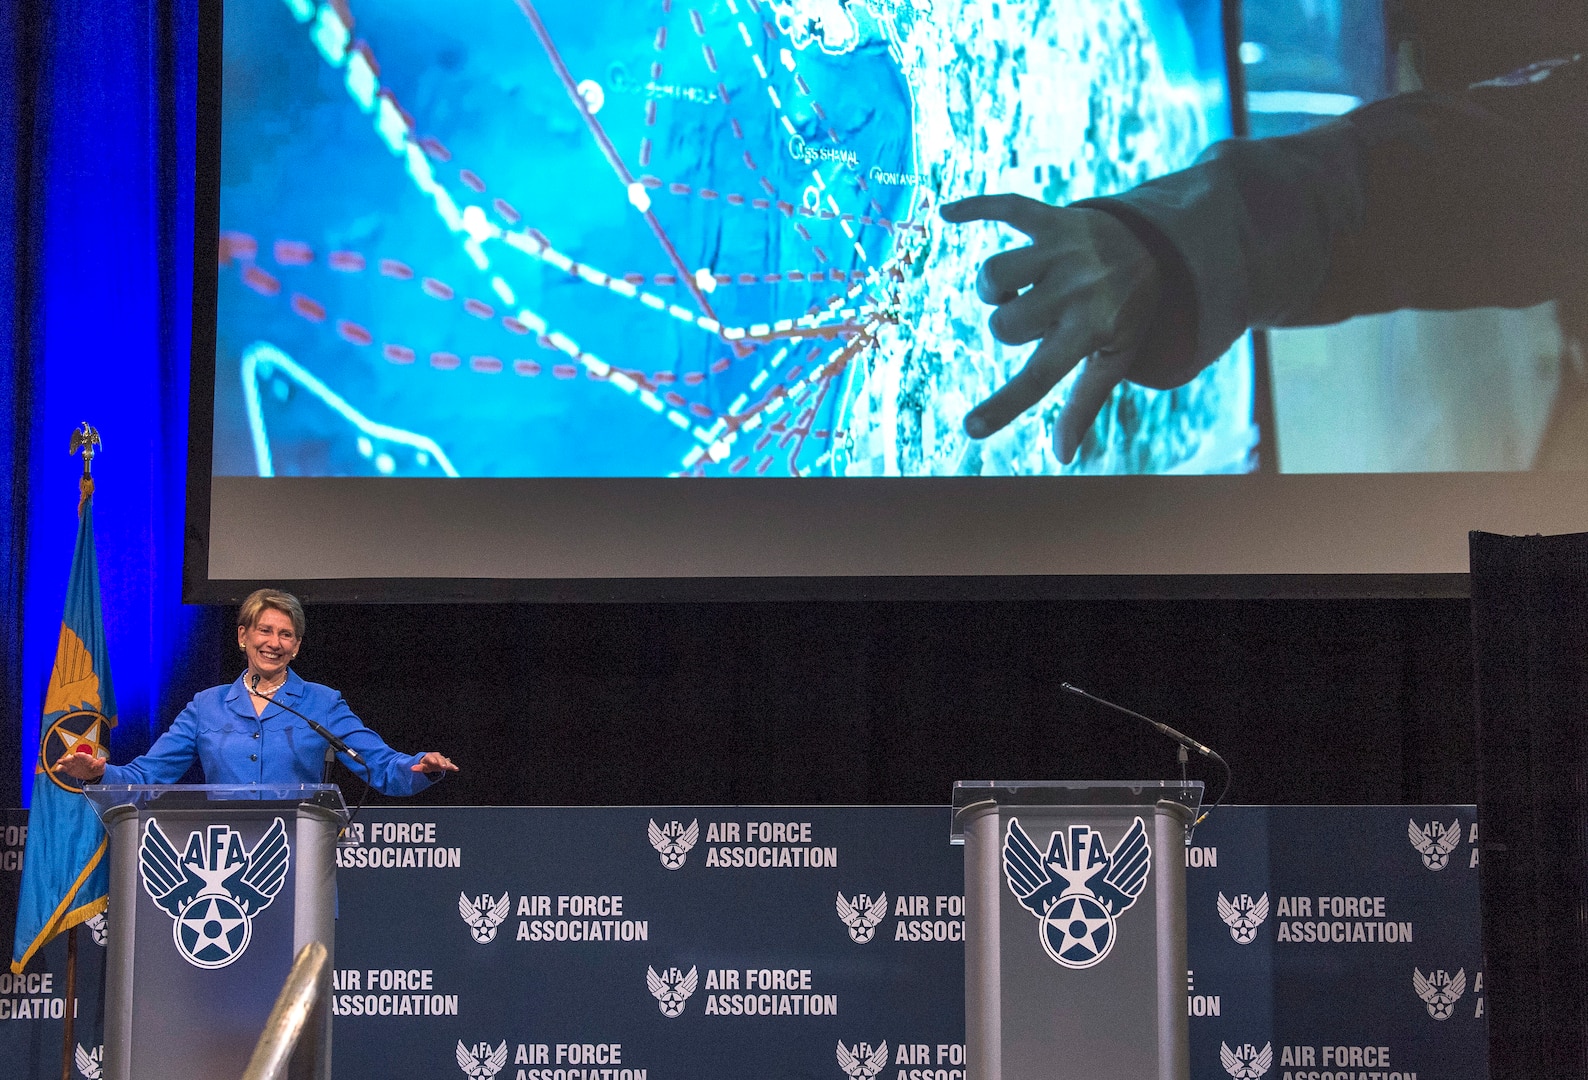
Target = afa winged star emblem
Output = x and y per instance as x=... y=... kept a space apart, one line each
x=674 y=842
x=1078 y=888
x=214 y=889
x=1246 y=1062
x=862 y=1061
x=670 y=989
x=480 y=1062
x=90 y=1063
x=862 y=914
x=1243 y=916
x=1436 y=842
x=1440 y=991
x=483 y=914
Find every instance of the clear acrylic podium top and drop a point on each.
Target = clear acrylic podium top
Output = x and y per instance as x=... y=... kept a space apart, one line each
x=978 y=794
x=156 y=797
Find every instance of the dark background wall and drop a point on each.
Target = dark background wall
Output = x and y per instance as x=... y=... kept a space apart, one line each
x=1312 y=701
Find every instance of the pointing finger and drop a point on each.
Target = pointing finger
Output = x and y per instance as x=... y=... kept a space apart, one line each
x=1027 y=215
x=1051 y=361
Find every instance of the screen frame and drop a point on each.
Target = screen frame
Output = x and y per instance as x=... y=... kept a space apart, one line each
x=200 y=587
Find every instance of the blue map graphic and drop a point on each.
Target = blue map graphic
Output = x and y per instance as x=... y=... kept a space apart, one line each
x=672 y=238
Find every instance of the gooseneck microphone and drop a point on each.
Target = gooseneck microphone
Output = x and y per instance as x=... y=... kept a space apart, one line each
x=314 y=725
x=1185 y=742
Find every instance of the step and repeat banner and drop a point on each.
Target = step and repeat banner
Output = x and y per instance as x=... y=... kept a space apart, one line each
x=825 y=943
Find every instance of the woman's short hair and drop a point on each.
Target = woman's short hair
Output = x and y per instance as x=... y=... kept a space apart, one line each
x=261 y=600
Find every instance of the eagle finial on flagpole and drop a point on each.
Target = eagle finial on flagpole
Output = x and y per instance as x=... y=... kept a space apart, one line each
x=86 y=439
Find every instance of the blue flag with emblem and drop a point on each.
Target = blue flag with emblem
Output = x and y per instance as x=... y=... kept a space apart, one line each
x=65 y=869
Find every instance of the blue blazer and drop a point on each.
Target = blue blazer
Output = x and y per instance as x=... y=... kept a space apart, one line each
x=235 y=746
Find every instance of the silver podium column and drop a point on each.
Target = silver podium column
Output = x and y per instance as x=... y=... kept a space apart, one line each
x=1075 y=946
x=213 y=890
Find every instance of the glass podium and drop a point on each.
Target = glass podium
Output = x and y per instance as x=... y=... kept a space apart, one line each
x=1075 y=939
x=213 y=890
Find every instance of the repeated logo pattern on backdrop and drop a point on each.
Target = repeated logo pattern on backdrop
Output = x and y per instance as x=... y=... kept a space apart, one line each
x=713 y=943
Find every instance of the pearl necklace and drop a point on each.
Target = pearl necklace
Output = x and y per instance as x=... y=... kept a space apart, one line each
x=266 y=691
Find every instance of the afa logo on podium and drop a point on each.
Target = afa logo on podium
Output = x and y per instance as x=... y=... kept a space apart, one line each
x=1079 y=888
x=213 y=890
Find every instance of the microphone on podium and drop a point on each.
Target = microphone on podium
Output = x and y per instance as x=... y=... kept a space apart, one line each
x=318 y=728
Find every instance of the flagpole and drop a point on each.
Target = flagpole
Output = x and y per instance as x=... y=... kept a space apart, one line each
x=85 y=440
x=71 y=1003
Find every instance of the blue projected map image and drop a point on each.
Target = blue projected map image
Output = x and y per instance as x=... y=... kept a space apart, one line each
x=538 y=238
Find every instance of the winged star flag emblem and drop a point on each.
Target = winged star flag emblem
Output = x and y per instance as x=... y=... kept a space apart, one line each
x=1436 y=842
x=1079 y=888
x=1243 y=916
x=214 y=889
x=480 y=1062
x=483 y=914
x=862 y=1061
x=1440 y=991
x=674 y=842
x=671 y=988
x=862 y=914
x=1246 y=1062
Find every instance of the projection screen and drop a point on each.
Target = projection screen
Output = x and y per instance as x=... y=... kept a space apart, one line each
x=521 y=298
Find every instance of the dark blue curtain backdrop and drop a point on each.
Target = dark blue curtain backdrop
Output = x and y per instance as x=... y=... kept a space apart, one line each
x=97 y=173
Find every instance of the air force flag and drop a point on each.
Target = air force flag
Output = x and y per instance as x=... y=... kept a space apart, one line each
x=65 y=876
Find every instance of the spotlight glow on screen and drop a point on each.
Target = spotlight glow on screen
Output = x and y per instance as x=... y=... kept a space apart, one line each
x=545 y=238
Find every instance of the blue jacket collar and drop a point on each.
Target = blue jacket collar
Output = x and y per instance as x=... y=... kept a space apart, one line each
x=239 y=700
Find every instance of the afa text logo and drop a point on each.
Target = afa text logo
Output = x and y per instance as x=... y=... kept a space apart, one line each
x=1243 y=916
x=674 y=842
x=1440 y=990
x=862 y=1061
x=1435 y=842
x=671 y=988
x=1079 y=888
x=480 y=1061
x=862 y=915
x=484 y=914
x=214 y=889
x=1246 y=1062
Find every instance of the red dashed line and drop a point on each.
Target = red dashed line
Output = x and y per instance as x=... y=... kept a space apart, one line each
x=309 y=309
x=439 y=290
x=512 y=325
x=393 y=269
x=261 y=282
x=235 y=245
x=711 y=58
x=485 y=365
x=526 y=367
x=293 y=253
x=354 y=333
x=399 y=354
x=479 y=309
x=694 y=18
x=349 y=262
x=506 y=210
x=445 y=361
x=432 y=146
x=564 y=371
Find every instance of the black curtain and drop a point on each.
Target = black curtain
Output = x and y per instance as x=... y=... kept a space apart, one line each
x=1530 y=642
x=1312 y=701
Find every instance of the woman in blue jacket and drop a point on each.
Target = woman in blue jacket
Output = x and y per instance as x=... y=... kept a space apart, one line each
x=244 y=733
